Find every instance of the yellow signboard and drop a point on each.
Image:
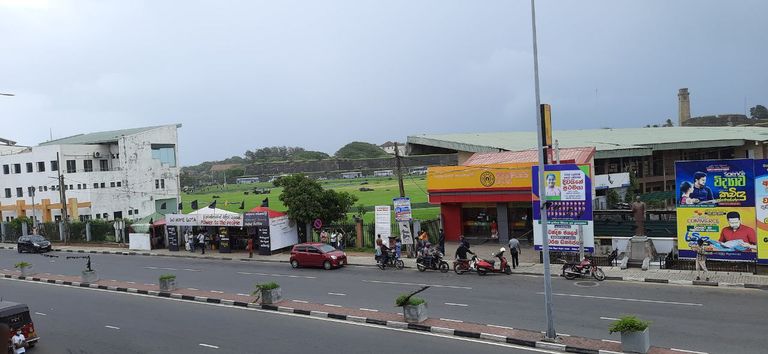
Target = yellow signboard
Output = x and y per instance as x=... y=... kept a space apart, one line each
x=500 y=176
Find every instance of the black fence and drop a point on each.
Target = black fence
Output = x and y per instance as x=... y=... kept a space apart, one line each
x=369 y=232
x=673 y=262
x=101 y=231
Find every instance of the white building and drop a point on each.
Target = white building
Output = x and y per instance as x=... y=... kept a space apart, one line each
x=246 y=180
x=389 y=148
x=383 y=173
x=128 y=173
x=353 y=174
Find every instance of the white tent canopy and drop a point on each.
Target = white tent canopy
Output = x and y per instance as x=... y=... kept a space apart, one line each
x=211 y=211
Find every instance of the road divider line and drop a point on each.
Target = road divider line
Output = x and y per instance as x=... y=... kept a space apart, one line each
x=301 y=301
x=502 y=327
x=609 y=318
x=131 y=282
x=113 y=327
x=370 y=310
x=412 y=284
x=450 y=320
x=208 y=346
x=241 y=294
x=150 y=267
x=687 y=351
x=630 y=300
x=452 y=304
x=192 y=270
x=150 y=284
x=40 y=313
x=332 y=305
x=337 y=294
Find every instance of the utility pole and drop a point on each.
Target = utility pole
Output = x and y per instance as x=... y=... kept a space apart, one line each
x=63 y=197
x=551 y=335
x=34 y=215
x=408 y=247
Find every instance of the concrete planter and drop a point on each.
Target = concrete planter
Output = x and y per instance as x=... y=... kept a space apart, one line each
x=635 y=342
x=27 y=271
x=168 y=285
x=89 y=276
x=415 y=314
x=272 y=296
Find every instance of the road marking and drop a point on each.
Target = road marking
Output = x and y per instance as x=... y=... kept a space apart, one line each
x=631 y=300
x=450 y=320
x=131 y=282
x=452 y=304
x=149 y=284
x=167 y=268
x=112 y=327
x=301 y=301
x=113 y=280
x=688 y=351
x=150 y=267
x=502 y=327
x=40 y=313
x=192 y=289
x=337 y=294
x=365 y=309
x=208 y=346
x=277 y=275
x=431 y=285
x=241 y=294
x=609 y=318
x=610 y=341
x=192 y=270
x=216 y=291
x=332 y=305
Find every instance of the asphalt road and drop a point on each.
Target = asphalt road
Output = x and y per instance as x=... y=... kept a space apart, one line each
x=84 y=321
x=693 y=318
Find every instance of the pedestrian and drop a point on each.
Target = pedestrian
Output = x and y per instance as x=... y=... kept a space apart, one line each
x=250 y=247
x=441 y=241
x=187 y=236
x=514 y=250
x=334 y=239
x=19 y=342
x=701 y=260
x=398 y=248
x=379 y=243
x=423 y=238
x=201 y=242
x=324 y=236
x=342 y=241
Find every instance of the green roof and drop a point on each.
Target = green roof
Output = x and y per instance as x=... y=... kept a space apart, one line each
x=101 y=137
x=608 y=142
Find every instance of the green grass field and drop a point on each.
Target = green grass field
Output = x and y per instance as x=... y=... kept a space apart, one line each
x=384 y=189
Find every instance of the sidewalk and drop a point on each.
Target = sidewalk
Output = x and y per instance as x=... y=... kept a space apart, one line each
x=528 y=264
x=486 y=332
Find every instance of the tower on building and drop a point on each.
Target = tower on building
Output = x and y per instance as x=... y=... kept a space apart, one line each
x=684 y=106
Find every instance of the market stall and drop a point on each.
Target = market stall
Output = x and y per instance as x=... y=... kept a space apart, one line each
x=272 y=229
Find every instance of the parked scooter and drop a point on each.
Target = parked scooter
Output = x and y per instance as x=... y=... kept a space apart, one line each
x=584 y=269
x=461 y=266
x=485 y=266
x=431 y=258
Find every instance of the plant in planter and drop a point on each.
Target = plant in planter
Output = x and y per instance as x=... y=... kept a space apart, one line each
x=414 y=308
x=167 y=282
x=634 y=334
x=269 y=293
x=25 y=268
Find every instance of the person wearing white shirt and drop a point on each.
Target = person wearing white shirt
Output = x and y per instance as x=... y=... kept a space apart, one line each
x=19 y=342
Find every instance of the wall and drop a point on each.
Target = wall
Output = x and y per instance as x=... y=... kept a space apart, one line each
x=332 y=168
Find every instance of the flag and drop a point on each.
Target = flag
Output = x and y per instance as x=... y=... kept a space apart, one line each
x=213 y=205
x=181 y=206
x=265 y=203
x=242 y=205
x=194 y=204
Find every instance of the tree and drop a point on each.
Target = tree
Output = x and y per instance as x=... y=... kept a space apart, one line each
x=336 y=205
x=232 y=174
x=668 y=123
x=283 y=153
x=758 y=112
x=306 y=200
x=612 y=198
x=360 y=150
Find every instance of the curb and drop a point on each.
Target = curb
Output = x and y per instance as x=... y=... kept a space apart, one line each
x=392 y=324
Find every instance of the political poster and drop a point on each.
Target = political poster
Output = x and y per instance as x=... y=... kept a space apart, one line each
x=716 y=205
x=568 y=194
x=761 y=209
x=402 y=209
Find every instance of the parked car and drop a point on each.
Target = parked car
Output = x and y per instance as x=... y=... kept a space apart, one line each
x=33 y=244
x=316 y=254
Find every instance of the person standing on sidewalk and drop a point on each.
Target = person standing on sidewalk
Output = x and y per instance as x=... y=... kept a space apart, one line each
x=249 y=246
x=514 y=251
x=441 y=241
x=201 y=241
x=701 y=260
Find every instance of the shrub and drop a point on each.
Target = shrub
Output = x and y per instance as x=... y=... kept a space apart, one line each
x=413 y=301
x=167 y=277
x=628 y=324
x=22 y=265
x=267 y=286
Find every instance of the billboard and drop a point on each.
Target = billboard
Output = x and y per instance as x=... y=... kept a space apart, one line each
x=568 y=193
x=761 y=209
x=480 y=177
x=402 y=209
x=382 y=221
x=716 y=203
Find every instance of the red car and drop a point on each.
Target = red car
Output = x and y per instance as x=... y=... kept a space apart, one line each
x=316 y=254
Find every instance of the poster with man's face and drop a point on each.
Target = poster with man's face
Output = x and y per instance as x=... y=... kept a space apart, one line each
x=761 y=209
x=715 y=183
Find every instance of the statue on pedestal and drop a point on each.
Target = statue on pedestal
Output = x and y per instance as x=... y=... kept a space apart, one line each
x=638 y=212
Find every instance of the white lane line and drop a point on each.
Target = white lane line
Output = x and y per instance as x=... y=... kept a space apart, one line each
x=192 y=289
x=113 y=280
x=149 y=284
x=337 y=294
x=301 y=301
x=365 y=309
x=631 y=300
x=610 y=341
x=208 y=346
x=278 y=275
x=502 y=327
x=244 y=273
x=216 y=291
x=40 y=313
x=450 y=320
x=332 y=305
x=192 y=270
x=167 y=268
x=131 y=282
x=688 y=351
x=150 y=267
x=431 y=285
x=452 y=304
x=112 y=327
x=609 y=318
x=241 y=294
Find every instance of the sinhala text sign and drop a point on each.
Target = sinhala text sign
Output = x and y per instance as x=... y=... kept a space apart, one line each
x=382 y=221
x=568 y=192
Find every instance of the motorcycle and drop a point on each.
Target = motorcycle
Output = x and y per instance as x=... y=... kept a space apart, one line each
x=432 y=260
x=485 y=266
x=392 y=261
x=584 y=269
x=461 y=266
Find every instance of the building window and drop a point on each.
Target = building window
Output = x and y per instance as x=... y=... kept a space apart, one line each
x=135 y=211
x=53 y=188
x=88 y=165
x=105 y=215
x=70 y=187
x=104 y=165
x=30 y=167
x=130 y=211
x=17 y=168
x=41 y=166
x=162 y=183
x=19 y=192
x=7 y=192
x=54 y=165
x=6 y=169
x=45 y=188
x=112 y=184
x=85 y=186
x=98 y=216
x=102 y=185
x=71 y=166
x=39 y=188
x=157 y=184
x=119 y=184
x=31 y=191
x=79 y=186
x=165 y=153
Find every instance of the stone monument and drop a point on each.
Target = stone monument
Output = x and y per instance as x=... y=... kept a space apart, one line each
x=640 y=249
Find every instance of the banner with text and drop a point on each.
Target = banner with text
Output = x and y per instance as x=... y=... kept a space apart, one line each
x=383 y=221
x=761 y=209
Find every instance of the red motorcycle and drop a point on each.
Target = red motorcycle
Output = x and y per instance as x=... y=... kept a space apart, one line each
x=485 y=266
x=584 y=269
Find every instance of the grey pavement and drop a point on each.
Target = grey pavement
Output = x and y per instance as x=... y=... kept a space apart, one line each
x=72 y=320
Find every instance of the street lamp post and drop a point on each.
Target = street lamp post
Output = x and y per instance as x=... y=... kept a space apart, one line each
x=34 y=215
x=551 y=334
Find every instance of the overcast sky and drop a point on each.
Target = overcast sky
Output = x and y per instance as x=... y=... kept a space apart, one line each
x=319 y=73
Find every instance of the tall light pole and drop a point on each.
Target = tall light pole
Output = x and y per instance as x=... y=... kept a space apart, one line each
x=34 y=215
x=551 y=334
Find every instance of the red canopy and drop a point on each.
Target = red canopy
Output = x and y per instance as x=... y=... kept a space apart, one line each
x=270 y=212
